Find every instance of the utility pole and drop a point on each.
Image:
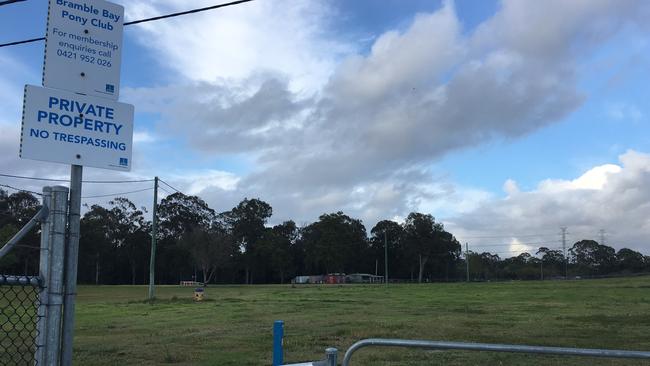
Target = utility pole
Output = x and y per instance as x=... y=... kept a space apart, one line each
x=385 y=257
x=566 y=259
x=541 y=267
x=154 y=235
x=467 y=259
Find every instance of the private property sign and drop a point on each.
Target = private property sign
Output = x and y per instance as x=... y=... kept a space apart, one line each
x=69 y=128
x=83 y=47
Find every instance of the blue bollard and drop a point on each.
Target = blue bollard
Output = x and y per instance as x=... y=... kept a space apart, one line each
x=278 y=342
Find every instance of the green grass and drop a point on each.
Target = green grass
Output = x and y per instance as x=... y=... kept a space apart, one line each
x=115 y=326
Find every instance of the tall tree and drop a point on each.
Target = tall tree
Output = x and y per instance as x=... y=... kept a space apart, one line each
x=211 y=249
x=277 y=246
x=179 y=214
x=592 y=257
x=247 y=222
x=129 y=232
x=95 y=242
x=392 y=233
x=426 y=239
x=630 y=260
x=335 y=243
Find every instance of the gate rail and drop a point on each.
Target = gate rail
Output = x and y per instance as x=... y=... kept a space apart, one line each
x=31 y=315
x=583 y=352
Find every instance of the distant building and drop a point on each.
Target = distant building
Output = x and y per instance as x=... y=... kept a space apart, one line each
x=301 y=279
x=317 y=279
x=338 y=278
x=364 y=278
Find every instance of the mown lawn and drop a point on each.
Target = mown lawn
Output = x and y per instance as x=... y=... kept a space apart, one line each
x=115 y=326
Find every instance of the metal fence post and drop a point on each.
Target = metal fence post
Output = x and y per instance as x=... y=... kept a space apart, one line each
x=278 y=335
x=71 y=264
x=57 y=232
x=43 y=274
x=331 y=355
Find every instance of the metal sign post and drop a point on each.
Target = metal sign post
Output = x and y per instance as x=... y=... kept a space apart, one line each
x=71 y=263
x=75 y=119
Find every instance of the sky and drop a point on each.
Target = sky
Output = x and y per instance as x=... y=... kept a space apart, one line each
x=505 y=120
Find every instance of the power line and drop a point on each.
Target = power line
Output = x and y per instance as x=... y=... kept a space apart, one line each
x=118 y=194
x=144 y=20
x=7 y=2
x=67 y=180
x=166 y=191
x=187 y=12
x=167 y=184
x=20 y=190
x=505 y=236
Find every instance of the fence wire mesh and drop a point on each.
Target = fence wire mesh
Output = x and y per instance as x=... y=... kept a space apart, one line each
x=18 y=318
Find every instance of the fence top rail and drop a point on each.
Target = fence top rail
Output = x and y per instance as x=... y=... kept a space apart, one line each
x=584 y=352
x=20 y=280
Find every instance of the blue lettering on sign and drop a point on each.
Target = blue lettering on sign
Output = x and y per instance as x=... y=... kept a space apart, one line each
x=124 y=161
x=110 y=88
x=89 y=141
x=33 y=132
x=98 y=23
x=77 y=6
x=88 y=9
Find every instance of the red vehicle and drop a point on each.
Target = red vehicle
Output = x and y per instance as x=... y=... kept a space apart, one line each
x=335 y=278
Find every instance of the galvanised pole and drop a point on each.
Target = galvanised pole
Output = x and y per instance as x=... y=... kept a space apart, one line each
x=467 y=260
x=437 y=345
x=71 y=263
x=154 y=235
x=43 y=275
x=57 y=234
x=385 y=258
x=566 y=258
x=331 y=355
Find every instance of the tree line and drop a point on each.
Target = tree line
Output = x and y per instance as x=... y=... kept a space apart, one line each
x=238 y=246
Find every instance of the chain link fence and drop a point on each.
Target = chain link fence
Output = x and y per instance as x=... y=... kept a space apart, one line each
x=19 y=302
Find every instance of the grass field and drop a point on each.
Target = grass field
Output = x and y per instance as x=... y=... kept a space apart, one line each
x=233 y=327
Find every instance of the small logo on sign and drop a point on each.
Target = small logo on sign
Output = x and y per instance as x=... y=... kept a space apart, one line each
x=110 y=88
x=124 y=161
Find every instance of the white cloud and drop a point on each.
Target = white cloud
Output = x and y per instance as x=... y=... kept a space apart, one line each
x=235 y=42
x=610 y=197
x=328 y=128
x=624 y=112
x=141 y=137
x=510 y=187
x=197 y=182
x=357 y=141
x=594 y=178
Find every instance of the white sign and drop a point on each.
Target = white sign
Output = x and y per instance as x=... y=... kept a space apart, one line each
x=70 y=128
x=83 y=47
